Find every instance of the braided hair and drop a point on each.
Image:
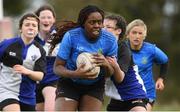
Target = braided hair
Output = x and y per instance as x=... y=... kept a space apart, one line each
x=86 y=11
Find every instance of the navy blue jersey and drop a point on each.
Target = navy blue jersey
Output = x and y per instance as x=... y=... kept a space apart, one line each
x=132 y=86
x=145 y=58
x=49 y=76
x=14 y=85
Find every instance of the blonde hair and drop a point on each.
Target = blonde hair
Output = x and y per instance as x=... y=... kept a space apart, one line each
x=136 y=22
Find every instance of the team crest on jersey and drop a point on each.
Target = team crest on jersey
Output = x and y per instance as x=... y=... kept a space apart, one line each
x=144 y=60
x=34 y=57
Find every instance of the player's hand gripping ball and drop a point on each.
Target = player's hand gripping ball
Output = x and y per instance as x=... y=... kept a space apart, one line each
x=86 y=58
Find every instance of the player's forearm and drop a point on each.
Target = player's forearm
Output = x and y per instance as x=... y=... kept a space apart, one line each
x=63 y=72
x=118 y=74
x=163 y=70
x=109 y=70
x=36 y=75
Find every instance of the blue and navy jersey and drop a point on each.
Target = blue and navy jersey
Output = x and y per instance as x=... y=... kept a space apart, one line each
x=132 y=86
x=74 y=42
x=49 y=76
x=17 y=86
x=145 y=58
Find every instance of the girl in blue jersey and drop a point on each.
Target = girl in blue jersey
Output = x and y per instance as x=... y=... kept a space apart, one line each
x=80 y=89
x=45 y=91
x=125 y=87
x=23 y=63
x=145 y=55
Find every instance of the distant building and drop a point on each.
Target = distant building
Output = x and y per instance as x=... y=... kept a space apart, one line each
x=5 y=25
x=6 y=28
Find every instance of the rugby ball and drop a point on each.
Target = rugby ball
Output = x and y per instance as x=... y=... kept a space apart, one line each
x=86 y=58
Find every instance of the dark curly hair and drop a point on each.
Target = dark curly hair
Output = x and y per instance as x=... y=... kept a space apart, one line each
x=86 y=11
x=26 y=16
x=121 y=23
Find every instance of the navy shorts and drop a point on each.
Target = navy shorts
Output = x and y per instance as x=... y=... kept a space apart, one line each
x=69 y=89
x=40 y=87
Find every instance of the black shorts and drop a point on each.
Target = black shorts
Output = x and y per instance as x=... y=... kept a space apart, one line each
x=40 y=87
x=23 y=106
x=68 y=88
x=8 y=102
x=117 y=105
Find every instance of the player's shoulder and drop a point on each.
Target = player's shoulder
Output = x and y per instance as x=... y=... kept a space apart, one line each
x=148 y=45
x=11 y=40
x=106 y=33
x=107 y=36
x=75 y=31
x=8 y=42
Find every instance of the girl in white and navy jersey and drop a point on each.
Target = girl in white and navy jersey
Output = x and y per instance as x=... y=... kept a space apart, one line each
x=125 y=87
x=23 y=63
x=45 y=91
